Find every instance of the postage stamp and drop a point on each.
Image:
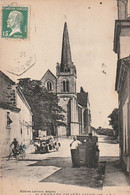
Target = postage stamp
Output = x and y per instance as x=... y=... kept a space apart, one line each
x=14 y=22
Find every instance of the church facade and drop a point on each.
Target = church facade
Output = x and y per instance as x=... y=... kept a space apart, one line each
x=76 y=105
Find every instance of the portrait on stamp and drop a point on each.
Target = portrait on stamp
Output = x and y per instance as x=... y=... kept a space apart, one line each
x=14 y=22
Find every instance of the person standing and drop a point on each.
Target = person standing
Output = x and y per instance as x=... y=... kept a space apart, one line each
x=74 y=146
x=91 y=148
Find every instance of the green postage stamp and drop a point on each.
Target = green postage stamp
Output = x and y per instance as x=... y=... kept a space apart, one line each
x=14 y=22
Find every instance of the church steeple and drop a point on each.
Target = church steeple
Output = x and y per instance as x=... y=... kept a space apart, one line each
x=66 y=67
x=66 y=61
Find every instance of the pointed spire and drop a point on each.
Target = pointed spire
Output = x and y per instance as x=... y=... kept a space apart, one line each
x=66 y=60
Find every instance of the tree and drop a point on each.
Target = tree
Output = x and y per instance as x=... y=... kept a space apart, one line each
x=47 y=114
x=114 y=120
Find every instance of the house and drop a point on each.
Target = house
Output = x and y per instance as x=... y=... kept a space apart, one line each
x=76 y=105
x=16 y=115
x=122 y=86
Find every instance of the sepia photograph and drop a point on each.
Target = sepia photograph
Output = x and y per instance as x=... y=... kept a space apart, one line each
x=65 y=97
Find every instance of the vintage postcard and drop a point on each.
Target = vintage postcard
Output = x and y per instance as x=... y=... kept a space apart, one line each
x=65 y=97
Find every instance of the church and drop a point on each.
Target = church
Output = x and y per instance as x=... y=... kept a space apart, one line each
x=76 y=105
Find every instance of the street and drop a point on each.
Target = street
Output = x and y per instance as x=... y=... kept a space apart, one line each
x=55 y=168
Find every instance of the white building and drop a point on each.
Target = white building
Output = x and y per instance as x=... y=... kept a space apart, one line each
x=16 y=115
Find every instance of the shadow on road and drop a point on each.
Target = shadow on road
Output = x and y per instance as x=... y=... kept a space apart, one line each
x=60 y=162
x=27 y=159
x=82 y=176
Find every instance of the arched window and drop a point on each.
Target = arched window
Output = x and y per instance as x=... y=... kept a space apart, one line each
x=66 y=86
x=49 y=85
x=65 y=69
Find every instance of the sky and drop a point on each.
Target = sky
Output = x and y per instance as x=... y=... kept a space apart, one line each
x=91 y=33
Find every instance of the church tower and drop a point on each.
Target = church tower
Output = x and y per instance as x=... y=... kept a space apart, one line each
x=66 y=87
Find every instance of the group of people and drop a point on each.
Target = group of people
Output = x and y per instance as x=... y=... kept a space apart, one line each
x=91 y=151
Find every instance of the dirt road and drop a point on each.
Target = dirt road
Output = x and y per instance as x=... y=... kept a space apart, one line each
x=52 y=170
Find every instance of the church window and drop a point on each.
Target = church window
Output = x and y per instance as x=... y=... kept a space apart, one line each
x=49 y=86
x=65 y=86
x=65 y=69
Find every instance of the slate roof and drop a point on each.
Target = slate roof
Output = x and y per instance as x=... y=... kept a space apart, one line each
x=49 y=72
x=66 y=59
x=82 y=98
x=6 y=78
x=20 y=93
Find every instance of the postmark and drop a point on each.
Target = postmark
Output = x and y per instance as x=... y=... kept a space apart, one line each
x=23 y=63
x=14 y=22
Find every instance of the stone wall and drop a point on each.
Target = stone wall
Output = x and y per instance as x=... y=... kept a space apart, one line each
x=72 y=84
x=49 y=77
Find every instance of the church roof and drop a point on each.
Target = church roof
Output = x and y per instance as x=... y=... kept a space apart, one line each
x=82 y=98
x=48 y=72
x=66 y=52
